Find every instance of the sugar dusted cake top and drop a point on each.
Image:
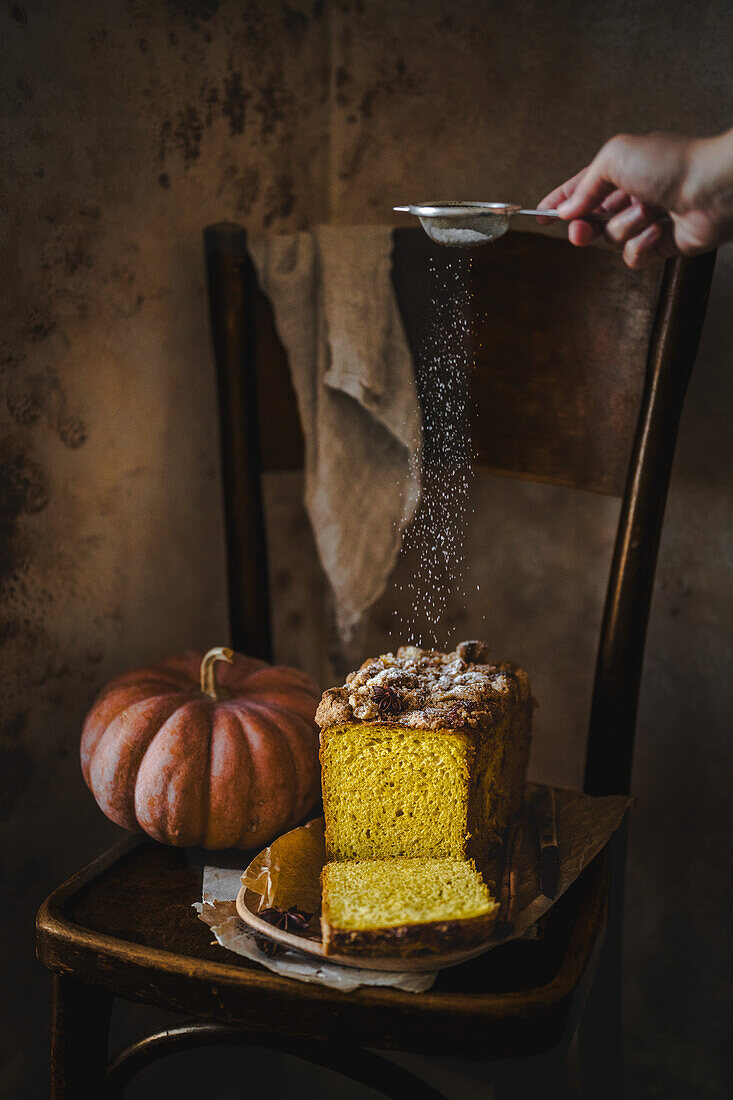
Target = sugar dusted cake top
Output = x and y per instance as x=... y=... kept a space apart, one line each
x=427 y=689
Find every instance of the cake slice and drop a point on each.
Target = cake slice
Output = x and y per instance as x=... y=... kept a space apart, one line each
x=405 y=906
x=424 y=754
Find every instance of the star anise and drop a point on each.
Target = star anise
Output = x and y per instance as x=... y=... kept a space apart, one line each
x=268 y=947
x=387 y=700
x=290 y=920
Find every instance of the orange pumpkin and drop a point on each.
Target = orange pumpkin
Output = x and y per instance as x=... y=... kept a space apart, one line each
x=193 y=761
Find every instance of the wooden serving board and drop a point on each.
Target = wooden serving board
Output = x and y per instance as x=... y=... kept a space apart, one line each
x=309 y=943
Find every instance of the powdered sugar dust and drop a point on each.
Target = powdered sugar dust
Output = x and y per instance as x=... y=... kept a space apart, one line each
x=434 y=545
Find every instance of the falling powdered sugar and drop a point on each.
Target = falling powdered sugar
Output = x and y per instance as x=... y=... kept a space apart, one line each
x=434 y=544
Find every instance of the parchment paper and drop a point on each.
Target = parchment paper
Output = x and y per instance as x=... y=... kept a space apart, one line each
x=217 y=909
x=288 y=872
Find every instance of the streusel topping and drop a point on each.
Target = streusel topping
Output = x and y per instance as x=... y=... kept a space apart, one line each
x=426 y=689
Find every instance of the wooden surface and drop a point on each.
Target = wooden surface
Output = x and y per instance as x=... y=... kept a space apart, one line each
x=235 y=342
x=560 y=345
x=581 y=368
x=79 y=1037
x=672 y=351
x=578 y=367
x=126 y=925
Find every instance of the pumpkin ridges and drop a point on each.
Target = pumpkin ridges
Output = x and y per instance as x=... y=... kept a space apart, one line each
x=203 y=776
x=312 y=776
x=158 y=678
x=232 y=770
x=107 y=708
x=280 y=731
x=114 y=699
x=114 y=761
x=180 y=672
x=302 y=741
x=313 y=796
x=172 y=785
x=272 y=776
x=142 y=687
x=298 y=703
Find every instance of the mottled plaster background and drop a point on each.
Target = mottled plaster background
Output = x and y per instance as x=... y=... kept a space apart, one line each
x=128 y=126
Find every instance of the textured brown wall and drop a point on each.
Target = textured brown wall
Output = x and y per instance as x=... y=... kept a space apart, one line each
x=130 y=126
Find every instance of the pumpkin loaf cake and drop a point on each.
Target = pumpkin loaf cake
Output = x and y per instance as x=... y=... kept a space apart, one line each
x=424 y=754
x=372 y=907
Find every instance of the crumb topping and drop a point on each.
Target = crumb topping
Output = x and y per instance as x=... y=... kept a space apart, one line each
x=426 y=689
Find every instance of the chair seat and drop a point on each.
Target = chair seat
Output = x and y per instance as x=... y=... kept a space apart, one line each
x=125 y=923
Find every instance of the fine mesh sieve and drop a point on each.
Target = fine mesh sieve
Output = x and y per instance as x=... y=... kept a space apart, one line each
x=467 y=224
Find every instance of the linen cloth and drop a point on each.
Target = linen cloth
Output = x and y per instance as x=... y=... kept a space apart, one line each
x=337 y=317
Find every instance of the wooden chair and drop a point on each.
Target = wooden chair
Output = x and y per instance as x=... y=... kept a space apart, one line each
x=580 y=380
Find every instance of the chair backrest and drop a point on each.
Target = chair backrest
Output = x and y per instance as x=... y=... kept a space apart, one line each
x=581 y=368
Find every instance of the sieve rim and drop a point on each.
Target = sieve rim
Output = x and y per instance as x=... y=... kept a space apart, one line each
x=458 y=209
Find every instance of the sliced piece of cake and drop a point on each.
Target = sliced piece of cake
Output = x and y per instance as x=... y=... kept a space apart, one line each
x=411 y=906
x=424 y=754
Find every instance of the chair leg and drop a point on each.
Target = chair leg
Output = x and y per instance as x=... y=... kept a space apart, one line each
x=529 y=1078
x=600 y=1034
x=79 y=1038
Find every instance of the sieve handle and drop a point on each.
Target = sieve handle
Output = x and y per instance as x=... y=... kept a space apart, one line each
x=594 y=219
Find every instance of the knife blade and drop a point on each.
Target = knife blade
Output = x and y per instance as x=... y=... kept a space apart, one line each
x=543 y=805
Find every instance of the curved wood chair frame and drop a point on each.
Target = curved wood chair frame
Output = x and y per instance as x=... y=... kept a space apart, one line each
x=522 y=1008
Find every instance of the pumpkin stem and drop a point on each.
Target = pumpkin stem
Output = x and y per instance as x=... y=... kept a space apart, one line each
x=208 y=676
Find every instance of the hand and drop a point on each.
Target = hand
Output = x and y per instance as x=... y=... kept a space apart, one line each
x=642 y=179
